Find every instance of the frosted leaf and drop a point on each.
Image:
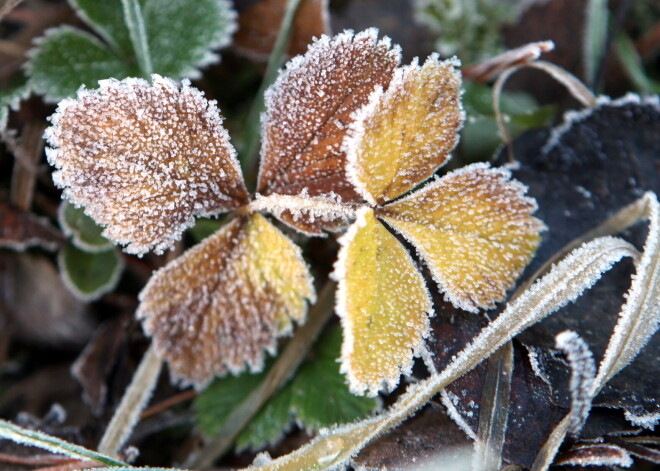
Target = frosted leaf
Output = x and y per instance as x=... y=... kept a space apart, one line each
x=474 y=229
x=309 y=109
x=383 y=304
x=222 y=303
x=144 y=159
x=403 y=135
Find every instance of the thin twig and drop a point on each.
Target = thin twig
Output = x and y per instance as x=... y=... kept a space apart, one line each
x=28 y=153
x=287 y=363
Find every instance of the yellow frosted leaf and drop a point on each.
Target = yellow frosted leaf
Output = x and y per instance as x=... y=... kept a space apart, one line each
x=383 y=303
x=144 y=159
x=404 y=134
x=223 y=302
x=474 y=229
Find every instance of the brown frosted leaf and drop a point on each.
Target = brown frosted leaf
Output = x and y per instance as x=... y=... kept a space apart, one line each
x=143 y=159
x=474 y=229
x=383 y=303
x=259 y=24
x=404 y=134
x=309 y=109
x=223 y=302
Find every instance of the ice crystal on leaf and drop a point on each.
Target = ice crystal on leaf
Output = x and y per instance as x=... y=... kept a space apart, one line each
x=143 y=159
x=222 y=303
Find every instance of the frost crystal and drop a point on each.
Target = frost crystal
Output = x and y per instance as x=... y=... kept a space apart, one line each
x=143 y=159
x=309 y=108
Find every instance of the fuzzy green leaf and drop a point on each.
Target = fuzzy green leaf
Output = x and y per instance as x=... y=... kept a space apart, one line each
x=181 y=36
x=85 y=233
x=106 y=18
x=4 y=114
x=89 y=275
x=316 y=397
x=66 y=58
x=320 y=395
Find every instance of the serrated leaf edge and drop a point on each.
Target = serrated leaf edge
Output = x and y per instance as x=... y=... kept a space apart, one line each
x=38 y=86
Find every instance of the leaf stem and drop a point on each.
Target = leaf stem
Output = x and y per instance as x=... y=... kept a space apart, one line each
x=135 y=399
x=252 y=122
x=287 y=363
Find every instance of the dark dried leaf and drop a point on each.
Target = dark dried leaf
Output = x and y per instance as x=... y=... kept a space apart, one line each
x=534 y=408
x=22 y=229
x=37 y=305
x=580 y=174
x=94 y=364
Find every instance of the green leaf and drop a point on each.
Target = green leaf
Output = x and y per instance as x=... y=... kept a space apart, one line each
x=53 y=444
x=320 y=395
x=316 y=397
x=216 y=402
x=204 y=227
x=595 y=35
x=632 y=64
x=480 y=136
x=66 y=58
x=89 y=275
x=85 y=233
x=181 y=36
x=106 y=18
x=11 y=96
x=138 y=32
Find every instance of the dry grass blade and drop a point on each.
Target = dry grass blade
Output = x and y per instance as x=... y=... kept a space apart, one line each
x=6 y=6
x=583 y=373
x=567 y=280
x=571 y=82
x=638 y=320
x=494 y=411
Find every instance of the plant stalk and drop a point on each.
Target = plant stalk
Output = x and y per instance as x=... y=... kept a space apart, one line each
x=134 y=401
x=287 y=363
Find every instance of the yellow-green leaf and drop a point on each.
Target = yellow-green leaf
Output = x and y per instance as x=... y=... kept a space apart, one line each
x=404 y=134
x=475 y=231
x=221 y=304
x=383 y=303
